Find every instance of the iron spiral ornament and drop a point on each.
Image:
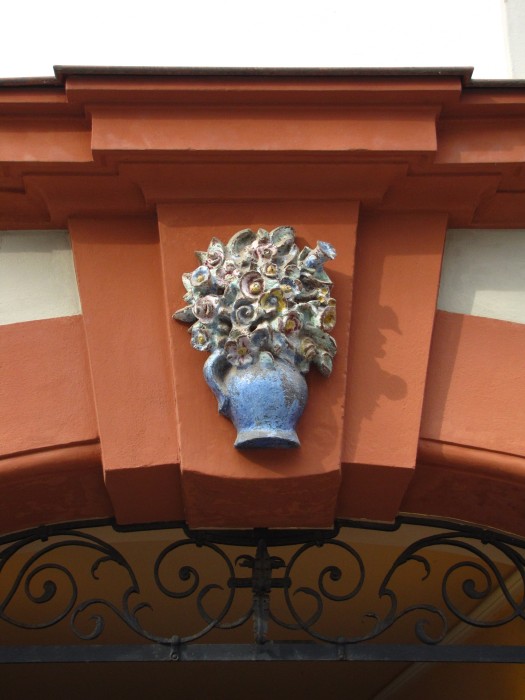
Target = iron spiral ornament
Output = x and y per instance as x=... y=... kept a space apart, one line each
x=272 y=586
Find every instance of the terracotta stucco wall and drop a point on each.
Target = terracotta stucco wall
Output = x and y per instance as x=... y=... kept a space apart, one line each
x=423 y=412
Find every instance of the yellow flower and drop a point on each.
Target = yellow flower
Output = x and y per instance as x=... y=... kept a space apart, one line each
x=273 y=301
x=252 y=284
x=328 y=318
x=324 y=295
x=270 y=270
x=291 y=323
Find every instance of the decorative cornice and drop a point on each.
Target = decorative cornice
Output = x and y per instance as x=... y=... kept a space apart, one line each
x=486 y=463
x=57 y=457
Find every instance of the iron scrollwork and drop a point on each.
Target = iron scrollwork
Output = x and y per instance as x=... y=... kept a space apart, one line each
x=305 y=585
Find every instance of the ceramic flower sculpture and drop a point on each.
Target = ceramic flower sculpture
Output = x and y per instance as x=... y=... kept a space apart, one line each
x=264 y=310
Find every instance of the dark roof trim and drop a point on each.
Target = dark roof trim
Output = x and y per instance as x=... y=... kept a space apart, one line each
x=64 y=72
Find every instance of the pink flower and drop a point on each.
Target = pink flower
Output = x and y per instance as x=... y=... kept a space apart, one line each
x=239 y=351
x=206 y=308
x=291 y=323
x=266 y=252
x=214 y=258
x=252 y=284
x=227 y=272
x=200 y=337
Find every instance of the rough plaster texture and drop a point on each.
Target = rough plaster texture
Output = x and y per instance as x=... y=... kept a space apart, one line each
x=484 y=273
x=37 y=276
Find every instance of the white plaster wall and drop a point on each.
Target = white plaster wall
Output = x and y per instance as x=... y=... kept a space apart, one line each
x=483 y=273
x=331 y=33
x=37 y=276
x=515 y=21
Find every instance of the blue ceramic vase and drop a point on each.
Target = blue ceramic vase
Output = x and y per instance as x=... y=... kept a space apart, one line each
x=264 y=400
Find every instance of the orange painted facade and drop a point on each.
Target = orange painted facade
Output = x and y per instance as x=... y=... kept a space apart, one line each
x=107 y=412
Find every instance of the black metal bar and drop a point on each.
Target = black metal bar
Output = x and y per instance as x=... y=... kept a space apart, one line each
x=273 y=538
x=270 y=651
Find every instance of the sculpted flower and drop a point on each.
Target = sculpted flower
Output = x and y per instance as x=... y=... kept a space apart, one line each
x=200 y=277
x=200 y=337
x=273 y=302
x=252 y=284
x=308 y=349
x=266 y=252
x=227 y=272
x=239 y=351
x=290 y=287
x=206 y=308
x=328 y=318
x=259 y=294
x=244 y=313
x=323 y=294
x=269 y=269
x=291 y=323
x=215 y=257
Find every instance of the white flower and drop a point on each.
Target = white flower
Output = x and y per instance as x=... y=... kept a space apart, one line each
x=239 y=351
x=206 y=308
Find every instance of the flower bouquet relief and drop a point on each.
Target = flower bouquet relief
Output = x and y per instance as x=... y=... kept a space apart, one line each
x=264 y=310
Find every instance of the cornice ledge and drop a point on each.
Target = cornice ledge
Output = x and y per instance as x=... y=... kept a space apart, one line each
x=490 y=464
x=61 y=458
x=52 y=485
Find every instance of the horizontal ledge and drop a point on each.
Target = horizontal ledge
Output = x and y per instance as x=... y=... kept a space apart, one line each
x=485 y=463
x=270 y=651
x=53 y=458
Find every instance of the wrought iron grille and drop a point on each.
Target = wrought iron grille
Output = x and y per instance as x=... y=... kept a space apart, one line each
x=83 y=592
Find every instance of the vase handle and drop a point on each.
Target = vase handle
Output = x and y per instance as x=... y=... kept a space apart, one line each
x=214 y=370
